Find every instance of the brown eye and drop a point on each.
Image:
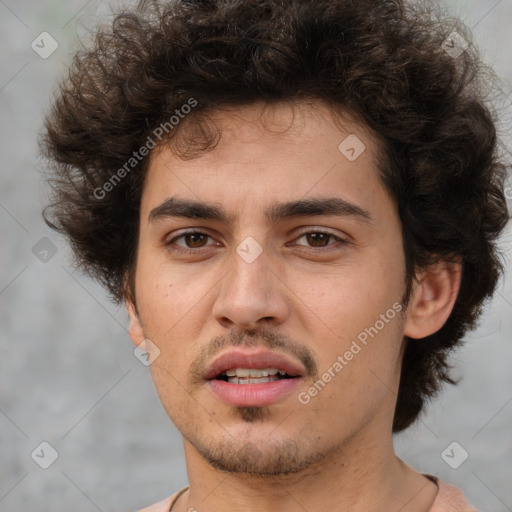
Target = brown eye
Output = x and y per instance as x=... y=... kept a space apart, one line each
x=318 y=239
x=189 y=241
x=195 y=239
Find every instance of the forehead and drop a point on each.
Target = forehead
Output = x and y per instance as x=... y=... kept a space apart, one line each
x=291 y=123
x=269 y=152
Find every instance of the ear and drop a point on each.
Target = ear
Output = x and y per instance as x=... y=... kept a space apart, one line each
x=136 y=330
x=432 y=298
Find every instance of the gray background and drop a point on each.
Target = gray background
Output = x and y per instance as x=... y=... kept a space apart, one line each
x=68 y=374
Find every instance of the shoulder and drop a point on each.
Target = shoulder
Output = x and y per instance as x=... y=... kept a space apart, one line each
x=164 y=505
x=161 y=506
x=450 y=499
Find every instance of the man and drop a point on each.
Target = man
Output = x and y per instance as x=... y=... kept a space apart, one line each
x=298 y=203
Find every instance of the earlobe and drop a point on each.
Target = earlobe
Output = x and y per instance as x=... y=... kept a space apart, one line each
x=432 y=299
x=136 y=330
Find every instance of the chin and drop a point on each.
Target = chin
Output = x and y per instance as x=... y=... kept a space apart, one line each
x=258 y=457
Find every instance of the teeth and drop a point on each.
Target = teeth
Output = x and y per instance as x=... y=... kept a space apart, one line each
x=261 y=380
x=253 y=372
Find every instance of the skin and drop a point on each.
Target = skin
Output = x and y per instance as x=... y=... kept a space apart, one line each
x=314 y=295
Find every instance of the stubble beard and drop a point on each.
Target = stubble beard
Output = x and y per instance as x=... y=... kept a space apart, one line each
x=265 y=458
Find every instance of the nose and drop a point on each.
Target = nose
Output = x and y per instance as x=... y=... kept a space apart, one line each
x=251 y=295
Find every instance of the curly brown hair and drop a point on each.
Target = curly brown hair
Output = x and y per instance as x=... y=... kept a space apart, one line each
x=382 y=60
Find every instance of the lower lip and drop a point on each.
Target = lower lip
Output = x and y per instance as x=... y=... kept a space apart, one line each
x=253 y=395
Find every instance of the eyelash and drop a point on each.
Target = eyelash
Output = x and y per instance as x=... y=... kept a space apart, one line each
x=182 y=250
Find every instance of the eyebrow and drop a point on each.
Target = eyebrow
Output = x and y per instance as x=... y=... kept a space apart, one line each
x=175 y=207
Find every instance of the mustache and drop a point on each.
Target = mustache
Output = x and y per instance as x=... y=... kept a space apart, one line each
x=261 y=338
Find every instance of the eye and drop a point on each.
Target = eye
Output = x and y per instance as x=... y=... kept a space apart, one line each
x=193 y=240
x=319 y=239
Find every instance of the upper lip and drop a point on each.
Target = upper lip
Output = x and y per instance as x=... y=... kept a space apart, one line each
x=257 y=359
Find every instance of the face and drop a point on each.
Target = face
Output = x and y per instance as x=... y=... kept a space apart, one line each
x=274 y=299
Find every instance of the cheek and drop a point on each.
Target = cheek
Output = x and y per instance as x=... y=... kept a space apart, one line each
x=345 y=299
x=168 y=295
x=166 y=307
x=356 y=380
x=354 y=317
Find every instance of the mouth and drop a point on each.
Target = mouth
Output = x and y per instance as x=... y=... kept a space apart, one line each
x=254 y=378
